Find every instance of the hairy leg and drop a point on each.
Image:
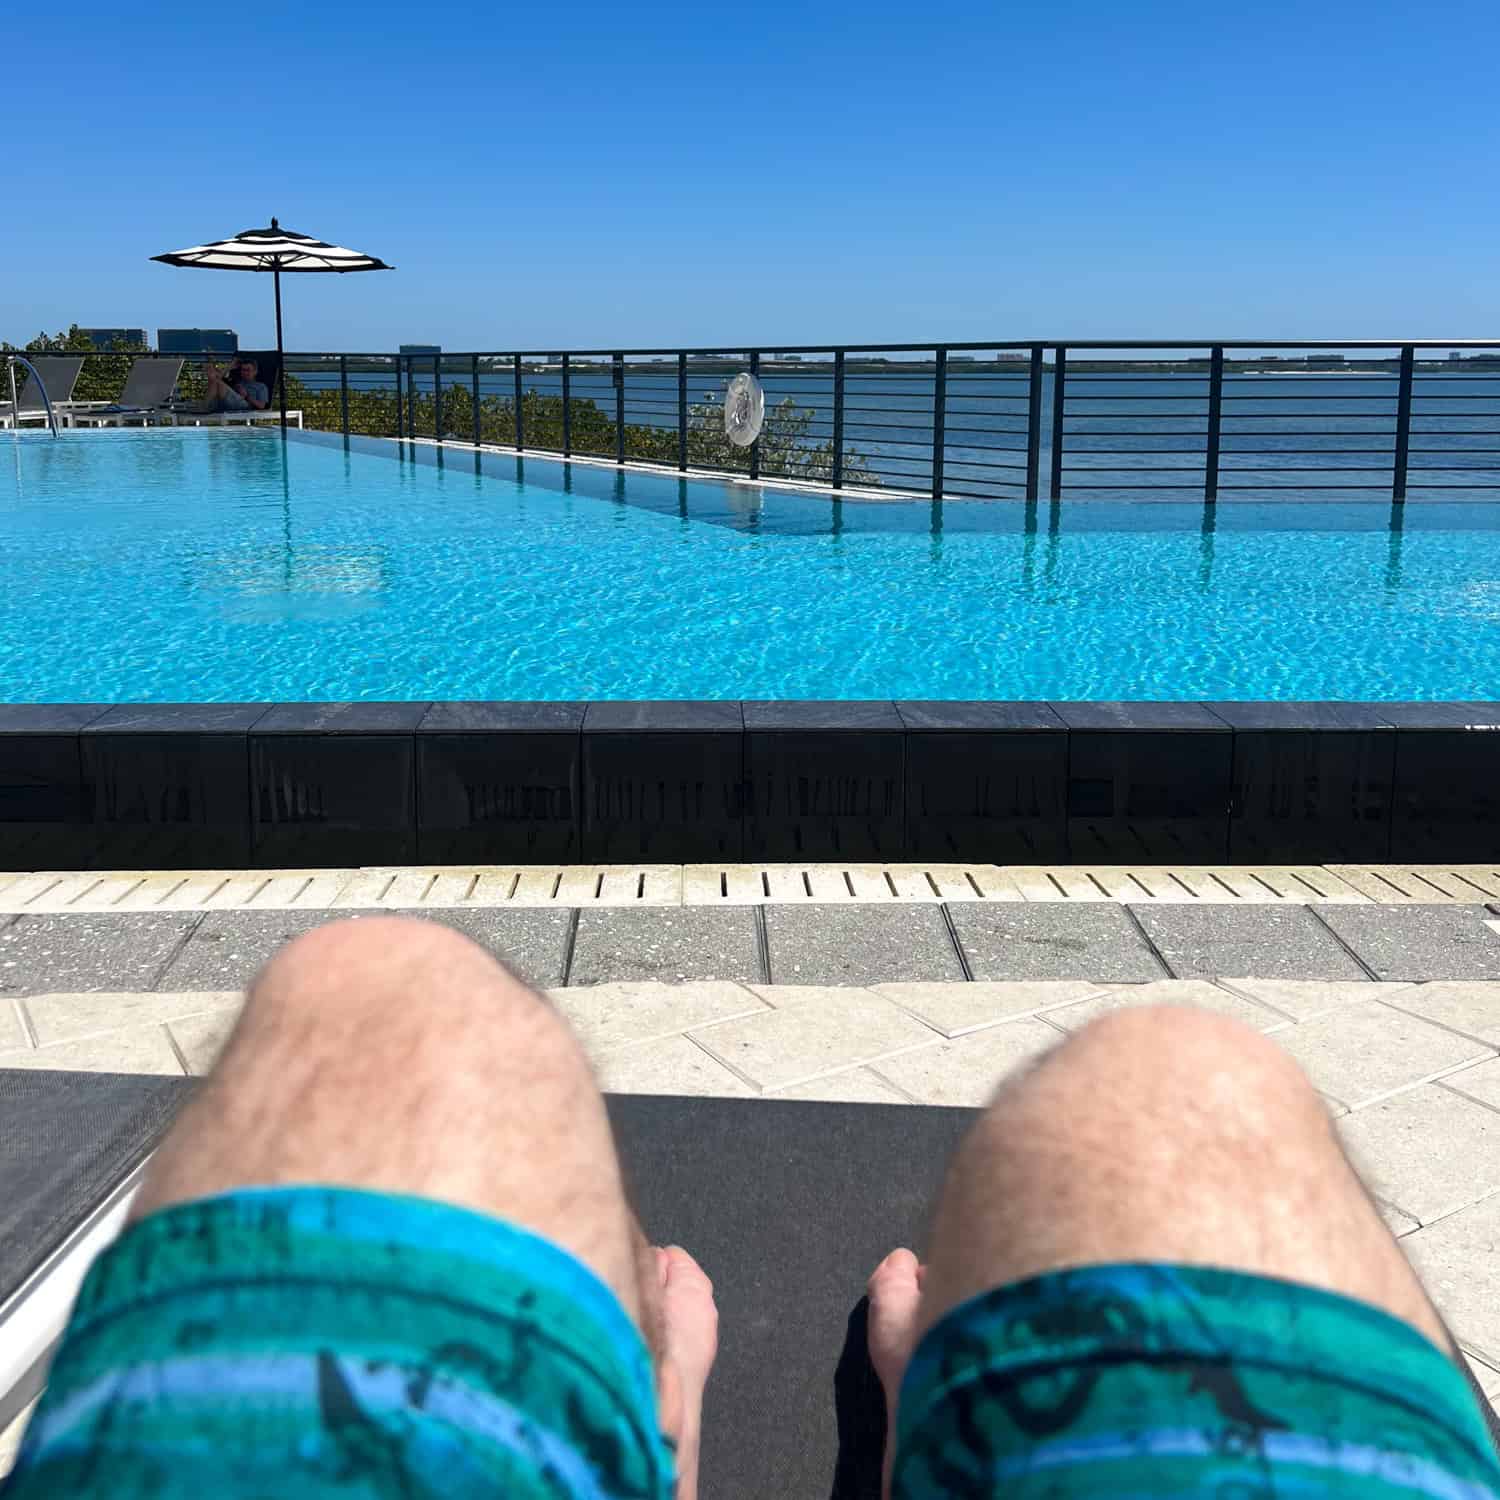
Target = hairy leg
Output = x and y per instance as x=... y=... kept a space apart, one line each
x=395 y=1055
x=1158 y=1134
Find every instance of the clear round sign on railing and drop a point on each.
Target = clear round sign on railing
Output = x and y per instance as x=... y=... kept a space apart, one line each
x=744 y=409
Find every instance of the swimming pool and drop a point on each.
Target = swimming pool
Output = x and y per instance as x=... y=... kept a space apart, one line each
x=222 y=566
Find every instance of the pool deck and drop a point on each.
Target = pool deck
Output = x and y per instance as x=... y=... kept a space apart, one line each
x=915 y=985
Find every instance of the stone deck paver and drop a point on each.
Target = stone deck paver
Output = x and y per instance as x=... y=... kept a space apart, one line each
x=1272 y=942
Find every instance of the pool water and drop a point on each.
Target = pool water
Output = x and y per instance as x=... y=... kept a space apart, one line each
x=221 y=565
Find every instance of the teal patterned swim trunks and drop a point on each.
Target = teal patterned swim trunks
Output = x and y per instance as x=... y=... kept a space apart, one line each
x=1139 y=1381
x=312 y=1343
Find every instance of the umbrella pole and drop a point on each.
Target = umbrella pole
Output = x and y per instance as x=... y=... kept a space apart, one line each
x=280 y=355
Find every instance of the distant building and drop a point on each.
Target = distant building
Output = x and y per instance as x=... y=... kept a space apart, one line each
x=197 y=341
x=107 y=338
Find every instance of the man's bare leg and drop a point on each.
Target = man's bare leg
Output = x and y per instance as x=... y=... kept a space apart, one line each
x=1158 y=1134
x=395 y=1055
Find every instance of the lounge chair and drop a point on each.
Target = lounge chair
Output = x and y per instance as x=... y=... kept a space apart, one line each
x=267 y=369
x=181 y=418
x=148 y=389
x=59 y=375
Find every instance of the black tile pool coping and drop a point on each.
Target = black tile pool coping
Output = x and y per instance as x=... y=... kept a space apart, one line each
x=276 y=785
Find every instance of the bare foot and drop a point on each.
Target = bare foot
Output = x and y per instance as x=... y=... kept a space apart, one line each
x=689 y=1331
x=895 y=1288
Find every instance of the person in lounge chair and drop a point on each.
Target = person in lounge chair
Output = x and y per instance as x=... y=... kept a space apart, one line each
x=386 y=1250
x=236 y=389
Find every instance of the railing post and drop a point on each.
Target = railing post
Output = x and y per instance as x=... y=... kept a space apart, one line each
x=567 y=393
x=939 y=413
x=520 y=421
x=838 y=419
x=755 y=446
x=437 y=397
x=411 y=395
x=344 y=392
x=474 y=397
x=1215 y=423
x=1059 y=398
x=1403 y=422
x=400 y=404
x=619 y=373
x=682 y=425
x=1034 y=423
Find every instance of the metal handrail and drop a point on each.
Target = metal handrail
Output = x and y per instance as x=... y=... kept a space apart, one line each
x=11 y=361
x=1022 y=421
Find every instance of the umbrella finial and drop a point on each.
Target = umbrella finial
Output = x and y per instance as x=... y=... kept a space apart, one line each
x=274 y=224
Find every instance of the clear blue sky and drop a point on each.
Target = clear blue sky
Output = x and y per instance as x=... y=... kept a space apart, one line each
x=585 y=175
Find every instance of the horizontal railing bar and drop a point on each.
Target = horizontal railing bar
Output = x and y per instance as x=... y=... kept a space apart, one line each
x=1308 y=469
x=970 y=447
x=728 y=351
x=974 y=463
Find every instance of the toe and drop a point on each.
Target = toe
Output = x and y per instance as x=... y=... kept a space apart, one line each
x=898 y=1273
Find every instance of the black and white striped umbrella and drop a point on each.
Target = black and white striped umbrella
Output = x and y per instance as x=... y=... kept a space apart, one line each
x=275 y=250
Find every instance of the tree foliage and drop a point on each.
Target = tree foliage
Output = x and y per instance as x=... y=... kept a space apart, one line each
x=785 y=448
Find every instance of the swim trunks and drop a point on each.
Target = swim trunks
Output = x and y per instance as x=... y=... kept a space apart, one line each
x=311 y=1342
x=1126 y=1381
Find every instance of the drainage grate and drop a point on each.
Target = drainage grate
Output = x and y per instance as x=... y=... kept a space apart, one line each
x=1407 y=884
x=413 y=888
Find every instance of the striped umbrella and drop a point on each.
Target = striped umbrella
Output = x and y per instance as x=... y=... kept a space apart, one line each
x=274 y=250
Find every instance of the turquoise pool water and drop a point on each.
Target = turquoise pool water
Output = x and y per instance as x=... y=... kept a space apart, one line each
x=223 y=565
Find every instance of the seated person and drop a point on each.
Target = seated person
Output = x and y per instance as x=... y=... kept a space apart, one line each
x=237 y=389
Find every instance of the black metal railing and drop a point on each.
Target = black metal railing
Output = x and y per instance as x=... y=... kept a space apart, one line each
x=1024 y=420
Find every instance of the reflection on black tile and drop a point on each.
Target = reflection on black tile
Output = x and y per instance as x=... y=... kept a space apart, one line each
x=1137 y=716
x=1447 y=798
x=675 y=716
x=1454 y=715
x=830 y=794
x=993 y=715
x=177 y=718
x=1143 y=795
x=1311 y=797
x=47 y=718
x=170 y=798
x=672 y=797
x=46 y=820
x=365 y=717
x=490 y=717
x=818 y=714
x=498 y=798
x=998 y=797
x=333 y=799
x=1302 y=716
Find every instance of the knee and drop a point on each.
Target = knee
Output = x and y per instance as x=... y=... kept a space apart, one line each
x=382 y=972
x=1170 y=1067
